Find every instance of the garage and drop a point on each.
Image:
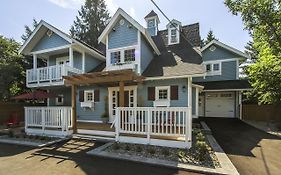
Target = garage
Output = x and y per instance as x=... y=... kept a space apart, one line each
x=220 y=104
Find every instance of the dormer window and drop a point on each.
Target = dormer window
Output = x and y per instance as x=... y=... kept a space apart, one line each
x=174 y=32
x=129 y=55
x=115 y=57
x=123 y=56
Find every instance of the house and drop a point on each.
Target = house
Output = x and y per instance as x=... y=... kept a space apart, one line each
x=143 y=80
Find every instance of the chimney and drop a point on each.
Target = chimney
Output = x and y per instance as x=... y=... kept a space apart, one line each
x=152 y=22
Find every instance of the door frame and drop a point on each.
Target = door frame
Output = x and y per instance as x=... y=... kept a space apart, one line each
x=126 y=88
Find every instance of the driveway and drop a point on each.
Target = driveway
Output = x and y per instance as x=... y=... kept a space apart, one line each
x=252 y=151
x=70 y=158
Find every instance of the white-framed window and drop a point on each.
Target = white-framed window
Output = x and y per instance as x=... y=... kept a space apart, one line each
x=115 y=57
x=62 y=60
x=213 y=68
x=59 y=100
x=122 y=56
x=88 y=96
x=162 y=92
x=129 y=55
x=173 y=33
x=151 y=23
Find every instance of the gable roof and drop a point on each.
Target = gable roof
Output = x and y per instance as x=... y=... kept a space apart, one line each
x=229 y=48
x=113 y=21
x=151 y=14
x=63 y=35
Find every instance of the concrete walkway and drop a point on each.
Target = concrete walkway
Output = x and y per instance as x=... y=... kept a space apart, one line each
x=251 y=150
x=70 y=158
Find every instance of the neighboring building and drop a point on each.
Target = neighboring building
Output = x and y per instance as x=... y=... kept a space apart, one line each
x=154 y=75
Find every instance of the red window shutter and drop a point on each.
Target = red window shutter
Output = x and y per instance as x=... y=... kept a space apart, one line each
x=151 y=93
x=97 y=95
x=174 y=93
x=81 y=96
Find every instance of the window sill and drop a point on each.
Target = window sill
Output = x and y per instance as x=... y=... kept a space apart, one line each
x=213 y=73
x=161 y=103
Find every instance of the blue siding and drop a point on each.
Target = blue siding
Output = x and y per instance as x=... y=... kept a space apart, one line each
x=77 y=58
x=91 y=62
x=193 y=101
x=218 y=54
x=65 y=91
x=183 y=95
x=52 y=59
x=146 y=54
x=47 y=42
x=229 y=70
x=99 y=109
x=123 y=35
x=151 y=31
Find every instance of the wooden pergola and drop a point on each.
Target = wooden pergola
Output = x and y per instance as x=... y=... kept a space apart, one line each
x=106 y=77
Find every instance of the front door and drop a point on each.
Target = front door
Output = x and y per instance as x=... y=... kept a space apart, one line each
x=62 y=60
x=130 y=95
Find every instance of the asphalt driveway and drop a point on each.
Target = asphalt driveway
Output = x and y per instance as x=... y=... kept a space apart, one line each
x=252 y=151
x=70 y=158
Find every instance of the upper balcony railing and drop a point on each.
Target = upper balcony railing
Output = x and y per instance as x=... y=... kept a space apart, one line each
x=49 y=76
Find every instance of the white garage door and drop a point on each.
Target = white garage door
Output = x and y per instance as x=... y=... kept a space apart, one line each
x=220 y=104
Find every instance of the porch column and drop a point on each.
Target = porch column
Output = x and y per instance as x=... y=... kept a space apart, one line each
x=73 y=107
x=197 y=102
x=189 y=119
x=71 y=56
x=83 y=62
x=121 y=94
x=34 y=61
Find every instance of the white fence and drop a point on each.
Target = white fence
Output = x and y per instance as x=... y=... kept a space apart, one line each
x=54 y=121
x=51 y=75
x=172 y=124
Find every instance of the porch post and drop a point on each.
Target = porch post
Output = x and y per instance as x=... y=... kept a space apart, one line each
x=34 y=61
x=189 y=119
x=73 y=107
x=197 y=102
x=83 y=61
x=71 y=56
x=121 y=94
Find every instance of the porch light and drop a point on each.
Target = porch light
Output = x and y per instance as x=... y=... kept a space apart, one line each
x=183 y=88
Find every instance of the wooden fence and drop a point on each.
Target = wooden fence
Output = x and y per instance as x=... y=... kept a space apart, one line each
x=261 y=112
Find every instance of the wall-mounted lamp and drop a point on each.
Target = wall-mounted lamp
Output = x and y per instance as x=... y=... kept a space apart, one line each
x=183 y=88
x=113 y=29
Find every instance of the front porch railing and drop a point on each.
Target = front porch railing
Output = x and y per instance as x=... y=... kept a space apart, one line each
x=51 y=75
x=48 y=120
x=146 y=125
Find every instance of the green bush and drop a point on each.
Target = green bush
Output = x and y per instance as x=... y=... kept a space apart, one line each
x=127 y=147
x=151 y=150
x=202 y=149
x=11 y=133
x=43 y=138
x=116 y=146
x=139 y=148
x=30 y=136
x=181 y=154
x=165 y=151
x=200 y=136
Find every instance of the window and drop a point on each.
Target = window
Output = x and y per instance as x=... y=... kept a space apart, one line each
x=59 y=100
x=174 y=38
x=151 y=23
x=89 y=96
x=115 y=57
x=129 y=55
x=213 y=68
x=163 y=93
x=226 y=95
x=174 y=32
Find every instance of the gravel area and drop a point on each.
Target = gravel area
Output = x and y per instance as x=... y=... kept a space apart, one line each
x=185 y=156
x=25 y=138
x=273 y=128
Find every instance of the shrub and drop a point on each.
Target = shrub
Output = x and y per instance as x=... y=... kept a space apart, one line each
x=127 y=147
x=139 y=148
x=17 y=136
x=11 y=133
x=200 y=136
x=151 y=150
x=43 y=138
x=165 y=151
x=36 y=137
x=181 y=154
x=30 y=136
x=202 y=149
x=22 y=131
x=116 y=146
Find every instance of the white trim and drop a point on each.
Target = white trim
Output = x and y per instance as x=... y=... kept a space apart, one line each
x=113 y=21
x=71 y=60
x=197 y=86
x=83 y=62
x=62 y=100
x=157 y=88
x=231 y=49
x=212 y=72
x=237 y=69
x=89 y=121
x=138 y=56
x=170 y=32
x=86 y=97
x=197 y=102
x=64 y=59
x=222 y=60
x=51 y=49
x=219 y=90
x=34 y=61
x=173 y=77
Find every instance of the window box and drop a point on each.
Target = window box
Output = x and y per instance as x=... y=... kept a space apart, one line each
x=88 y=104
x=161 y=103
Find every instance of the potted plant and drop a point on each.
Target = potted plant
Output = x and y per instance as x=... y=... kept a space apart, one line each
x=104 y=117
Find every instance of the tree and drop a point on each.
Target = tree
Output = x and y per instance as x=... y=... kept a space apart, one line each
x=92 y=20
x=29 y=30
x=210 y=37
x=262 y=19
x=12 y=78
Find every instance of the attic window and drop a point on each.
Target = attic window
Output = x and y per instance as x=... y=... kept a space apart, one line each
x=212 y=48
x=173 y=34
x=49 y=33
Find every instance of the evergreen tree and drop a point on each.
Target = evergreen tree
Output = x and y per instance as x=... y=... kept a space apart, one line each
x=90 y=22
x=210 y=37
x=29 y=30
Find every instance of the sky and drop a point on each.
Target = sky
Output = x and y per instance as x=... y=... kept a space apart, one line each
x=211 y=14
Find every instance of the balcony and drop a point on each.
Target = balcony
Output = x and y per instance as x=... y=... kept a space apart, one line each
x=49 y=76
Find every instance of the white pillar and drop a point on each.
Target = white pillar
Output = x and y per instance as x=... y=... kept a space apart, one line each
x=71 y=57
x=197 y=102
x=188 y=137
x=34 y=61
x=240 y=105
x=83 y=62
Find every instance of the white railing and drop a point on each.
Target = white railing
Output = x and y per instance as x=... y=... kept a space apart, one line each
x=48 y=120
x=50 y=75
x=168 y=122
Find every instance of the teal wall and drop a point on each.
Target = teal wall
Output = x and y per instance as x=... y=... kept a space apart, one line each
x=65 y=91
x=91 y=62
x=47 y=42
x=77 y=58
x=123 y=35
x=228 y=69
x=146 y=54
x=218 y=54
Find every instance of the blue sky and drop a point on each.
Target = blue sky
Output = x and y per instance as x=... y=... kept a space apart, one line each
x=211 y=14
